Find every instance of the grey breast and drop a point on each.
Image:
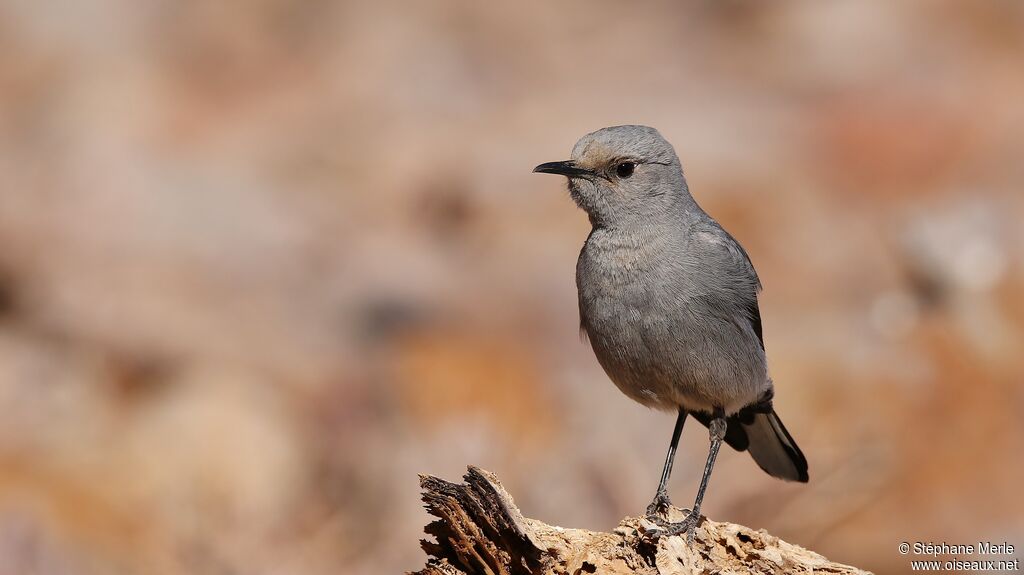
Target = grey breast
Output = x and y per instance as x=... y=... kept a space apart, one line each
x=668 y=329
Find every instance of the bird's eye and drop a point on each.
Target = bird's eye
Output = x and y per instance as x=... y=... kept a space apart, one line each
x=625 y=169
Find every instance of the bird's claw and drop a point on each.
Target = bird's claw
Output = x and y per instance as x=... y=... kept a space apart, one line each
x=659 y=507
x=688 y=525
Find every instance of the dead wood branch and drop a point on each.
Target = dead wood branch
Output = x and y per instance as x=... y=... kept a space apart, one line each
x=480 y=530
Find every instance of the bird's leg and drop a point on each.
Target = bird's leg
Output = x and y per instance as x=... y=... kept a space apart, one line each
x=716 y=429
x=661 y=502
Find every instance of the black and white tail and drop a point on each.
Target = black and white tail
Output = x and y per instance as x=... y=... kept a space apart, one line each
x=759 y=430
x=772 y=447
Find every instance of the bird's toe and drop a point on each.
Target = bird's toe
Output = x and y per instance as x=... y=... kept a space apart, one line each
x=659 y=507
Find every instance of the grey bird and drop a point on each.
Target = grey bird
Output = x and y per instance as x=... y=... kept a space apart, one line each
x=668 y=300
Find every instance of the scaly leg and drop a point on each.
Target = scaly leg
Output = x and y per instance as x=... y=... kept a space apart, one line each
x=716 y=429
x=661 y=501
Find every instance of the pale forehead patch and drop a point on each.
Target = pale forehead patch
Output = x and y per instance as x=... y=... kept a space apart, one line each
x=593 y=154
x=607 y=144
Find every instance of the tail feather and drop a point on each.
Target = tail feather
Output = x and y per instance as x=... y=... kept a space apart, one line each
x=774 y=449
x=763 y=435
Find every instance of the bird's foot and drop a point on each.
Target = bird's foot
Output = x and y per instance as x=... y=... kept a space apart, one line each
x=659 y=507
x=688 y=525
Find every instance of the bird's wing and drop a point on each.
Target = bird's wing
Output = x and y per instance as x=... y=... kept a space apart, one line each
x=736 y=276
x=743 y=260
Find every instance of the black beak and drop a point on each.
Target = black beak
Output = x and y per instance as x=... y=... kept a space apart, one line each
x=567 y=168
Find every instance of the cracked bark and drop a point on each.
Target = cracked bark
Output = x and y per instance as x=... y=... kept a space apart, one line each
x=479 y=530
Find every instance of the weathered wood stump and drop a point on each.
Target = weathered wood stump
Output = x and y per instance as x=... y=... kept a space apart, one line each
x=481 y=531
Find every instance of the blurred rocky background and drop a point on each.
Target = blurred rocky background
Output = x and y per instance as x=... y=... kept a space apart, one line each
x=261 y=263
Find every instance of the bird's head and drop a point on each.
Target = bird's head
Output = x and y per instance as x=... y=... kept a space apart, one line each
x=623 y=175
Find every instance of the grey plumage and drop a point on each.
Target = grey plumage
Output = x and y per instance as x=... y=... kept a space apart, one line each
x=668 y=299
